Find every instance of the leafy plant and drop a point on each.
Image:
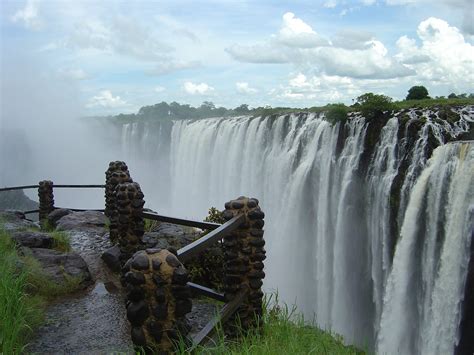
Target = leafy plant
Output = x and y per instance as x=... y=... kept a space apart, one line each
x=417 y=93
x=373 y=105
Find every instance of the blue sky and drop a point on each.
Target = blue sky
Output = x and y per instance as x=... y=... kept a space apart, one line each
x=116 y=56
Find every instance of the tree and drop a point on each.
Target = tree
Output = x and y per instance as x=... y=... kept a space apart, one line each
x=417 y=93
x=452 y=96
x=372 y=105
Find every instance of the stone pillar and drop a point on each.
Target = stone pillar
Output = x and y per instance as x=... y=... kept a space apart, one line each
x=116 y=174
x=157 y=300
x=244 y=254
x=46 y=201
x=130 y=223
x=114 y=166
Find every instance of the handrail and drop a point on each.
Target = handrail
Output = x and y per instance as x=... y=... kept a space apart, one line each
x=202 y=243
x=54 y=185
x=79 y=186
x=19 y=187
x=205 y=291
x=226 y=312
x=180 y=221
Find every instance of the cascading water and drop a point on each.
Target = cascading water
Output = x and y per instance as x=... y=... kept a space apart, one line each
x=331 y=245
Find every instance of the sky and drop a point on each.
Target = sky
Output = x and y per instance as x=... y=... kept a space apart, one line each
x=109 y=57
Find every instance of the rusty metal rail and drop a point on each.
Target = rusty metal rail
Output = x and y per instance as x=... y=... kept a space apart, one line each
x=204 y=242
x=226 y=312
x=180 y=221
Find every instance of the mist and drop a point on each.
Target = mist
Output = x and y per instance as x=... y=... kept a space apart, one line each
x=44 y=135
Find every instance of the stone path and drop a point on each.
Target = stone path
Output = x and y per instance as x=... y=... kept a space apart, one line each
x=92 y=321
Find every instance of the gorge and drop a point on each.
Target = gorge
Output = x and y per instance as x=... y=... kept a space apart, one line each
x=369 y=222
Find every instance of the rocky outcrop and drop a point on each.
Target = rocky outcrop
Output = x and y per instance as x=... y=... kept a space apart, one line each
x=15 y=220
x=32 y=239
x=56 y=215
x=62 y=268
x=90 y=221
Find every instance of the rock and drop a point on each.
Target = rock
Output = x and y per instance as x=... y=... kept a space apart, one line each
x=33 y=239
x=112 y=258
x=167 y=236
x=56 y=215
x=15 y=220
x=90 y=221
x=59 y=266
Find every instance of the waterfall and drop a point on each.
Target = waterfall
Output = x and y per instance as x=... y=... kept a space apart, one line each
x=385 y=270
x=421 y=315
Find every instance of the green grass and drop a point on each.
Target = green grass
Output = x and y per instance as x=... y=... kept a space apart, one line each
x=20 y=312
x=284 y=332
x=25 y=290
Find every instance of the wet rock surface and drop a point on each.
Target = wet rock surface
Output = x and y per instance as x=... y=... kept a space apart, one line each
x=31 y=239
x=92 y=321
x=167 y=235
x=59 y=267
x=16 y=220
x=88 y=221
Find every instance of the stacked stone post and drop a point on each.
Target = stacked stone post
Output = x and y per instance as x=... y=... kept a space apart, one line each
x=116 y=174
x=130 y=223
x=157 y=300
x=244 y=254
x=46 y=201
x=110 y=185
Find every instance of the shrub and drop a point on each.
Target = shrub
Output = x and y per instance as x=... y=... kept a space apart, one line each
x=373 y=105
x=417 y=93
x=336 y=113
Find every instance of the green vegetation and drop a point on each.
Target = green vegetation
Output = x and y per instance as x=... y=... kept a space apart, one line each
x=369 y=104
x=372 y=105
x=284 y=332
x=337 y=113
x=20 y=312
x=207 y=268
x=417 y=93
x=24 y=291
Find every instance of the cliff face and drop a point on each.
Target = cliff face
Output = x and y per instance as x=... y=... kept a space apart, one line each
x=16 y=200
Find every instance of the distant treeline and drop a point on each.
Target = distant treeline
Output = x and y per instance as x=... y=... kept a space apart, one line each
x=368 y=104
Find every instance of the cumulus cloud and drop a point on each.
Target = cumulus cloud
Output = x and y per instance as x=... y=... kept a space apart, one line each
x=197 y=89
x=443 y=55
x=244 y=88
x=297 y=33
x=105 y=99
x=357 y=55
x=28 y=15
x=159 y=89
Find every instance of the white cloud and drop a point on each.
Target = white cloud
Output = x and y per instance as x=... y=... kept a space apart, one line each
x=297 y=33
x=29 y=15
x=443 y=56
x=358 y=55
x=197 y=89
x=159 y=89
x=105 y=99
x=244 y=88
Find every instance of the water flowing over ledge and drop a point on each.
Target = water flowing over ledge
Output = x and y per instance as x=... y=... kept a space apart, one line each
x=366 y=234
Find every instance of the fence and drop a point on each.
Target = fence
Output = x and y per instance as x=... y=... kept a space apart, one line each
x=156 y=281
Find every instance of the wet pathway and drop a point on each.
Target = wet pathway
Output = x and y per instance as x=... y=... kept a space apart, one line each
x=92 y=321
